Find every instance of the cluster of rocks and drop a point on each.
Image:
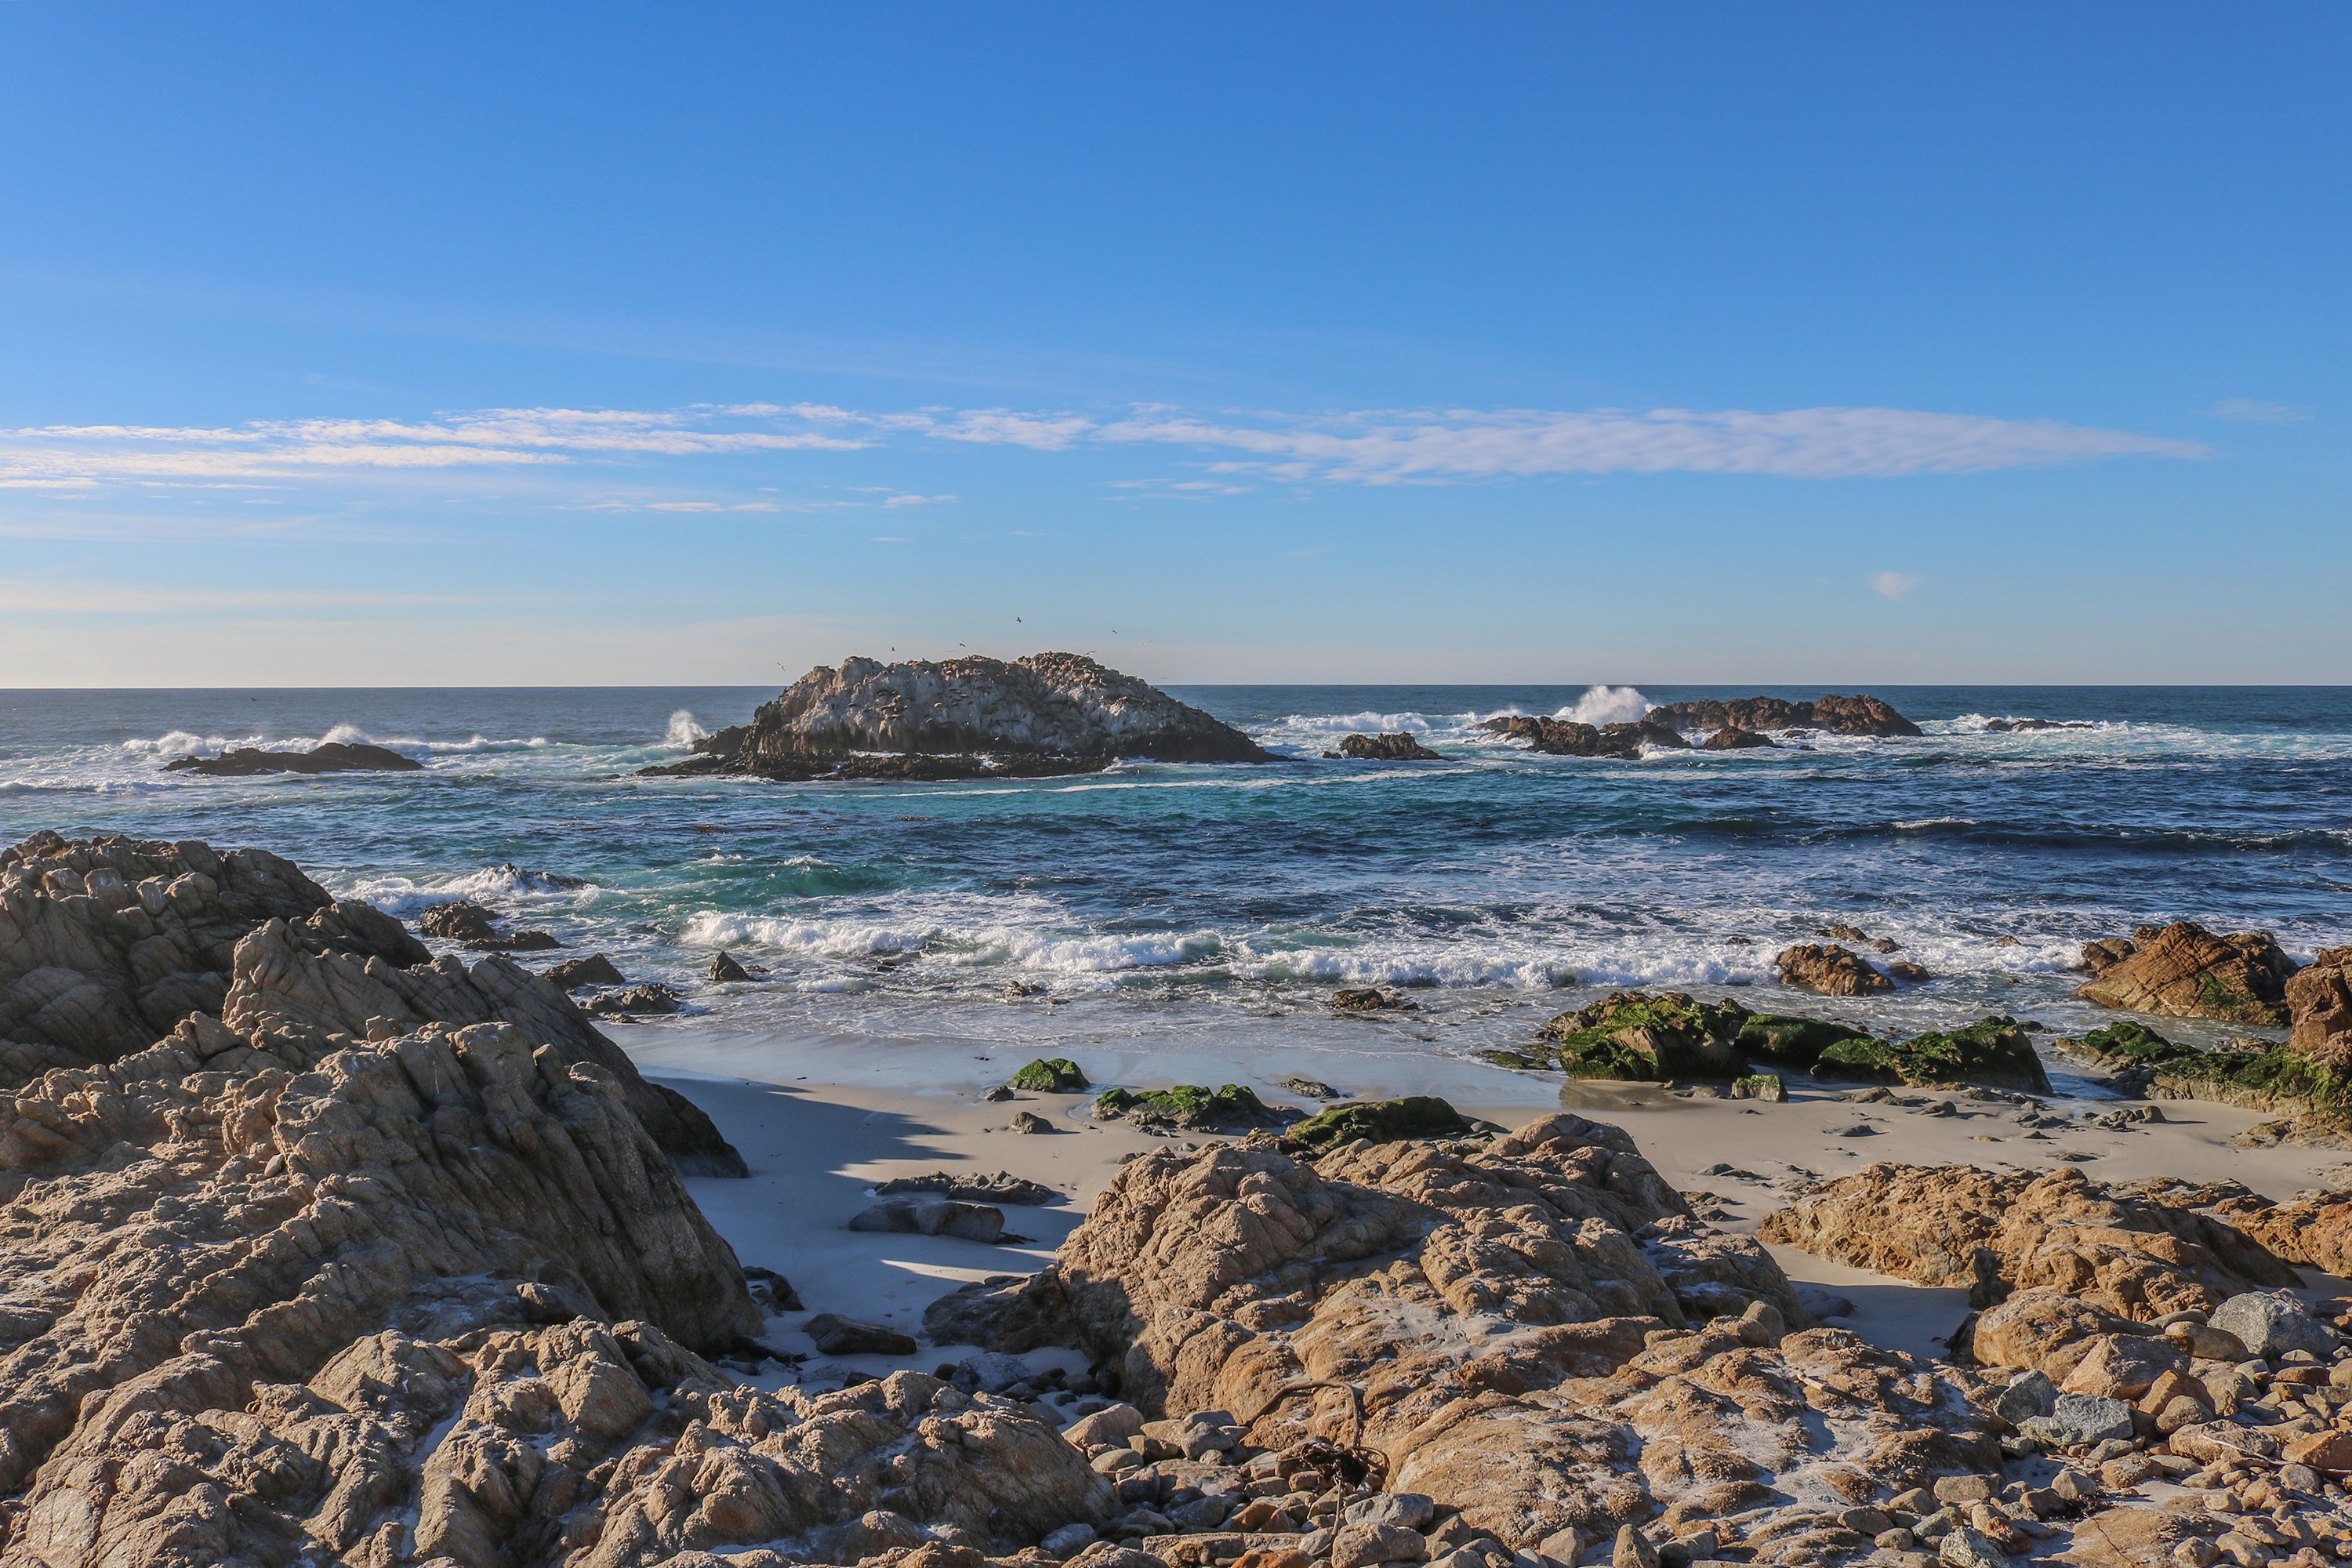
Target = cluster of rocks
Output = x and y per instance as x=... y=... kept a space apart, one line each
x=2005 y=726
x=334 y=757
x=1670 y=1036
x=1858 y=715
x=2138 y=1334
x=964 y=718
x=1526 y=1344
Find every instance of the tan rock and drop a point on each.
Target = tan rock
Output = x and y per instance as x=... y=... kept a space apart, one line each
x=1830 y=970
x=2184 y=971
x=2319 y=1005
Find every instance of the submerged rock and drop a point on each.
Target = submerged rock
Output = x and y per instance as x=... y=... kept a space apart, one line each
x=2184 y=971
x=1049 y=713
x=334 y=757
x=1398 y=748
x=1371 y=999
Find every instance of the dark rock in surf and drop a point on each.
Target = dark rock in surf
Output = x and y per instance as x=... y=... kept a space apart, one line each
x=1732 y=738
x=1047 y=714
x=594 y=970
x=1567 y=738
x=469 y=925
x=334 y=757
x=1856 y=715
x=637 y=1001
x=2003 y=726
x=1399 y=748
x=1371 y=999
x=725 y=969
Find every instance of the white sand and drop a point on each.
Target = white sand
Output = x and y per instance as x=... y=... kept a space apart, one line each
x=819 y=1120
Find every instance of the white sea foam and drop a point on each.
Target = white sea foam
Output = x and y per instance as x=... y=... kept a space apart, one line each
x=1606 y=705
x=405 y=897
x=683 y=731
x=187 y=743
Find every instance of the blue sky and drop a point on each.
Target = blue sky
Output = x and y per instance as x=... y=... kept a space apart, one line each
x=1840 y=344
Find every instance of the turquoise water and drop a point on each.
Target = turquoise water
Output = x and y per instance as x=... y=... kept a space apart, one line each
x=1505 y=884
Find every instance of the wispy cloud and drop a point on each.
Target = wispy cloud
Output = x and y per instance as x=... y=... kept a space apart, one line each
x=2254 y=411
x=23 y=595
x=1447 y=447
x=68 y=456
x=1893 y=585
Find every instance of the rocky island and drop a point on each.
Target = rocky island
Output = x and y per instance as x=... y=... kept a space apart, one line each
x=332 y=757
x=964 y=718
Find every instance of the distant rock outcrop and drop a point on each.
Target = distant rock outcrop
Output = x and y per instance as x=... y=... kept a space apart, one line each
x=334 y=757
x=1732 y=738
x=1397 y=748
x=965 y=717
x=1568 y=737
x=1856 y=715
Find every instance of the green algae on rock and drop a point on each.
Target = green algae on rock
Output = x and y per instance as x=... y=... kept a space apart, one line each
x=1193 y=1107
x=1051 y=1075
x=1634 y=1036
x=1799 y=1042
x=1381 y=1121
x=1993 y=1051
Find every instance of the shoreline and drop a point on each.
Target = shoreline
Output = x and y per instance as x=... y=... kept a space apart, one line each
x=819 y=1118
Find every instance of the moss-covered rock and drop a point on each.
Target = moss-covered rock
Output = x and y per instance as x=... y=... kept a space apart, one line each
x=1635 y=1036
x=1993 y=1051
x=2136 y=1045
x=1231 y=1108
x=1381 y=1121
x=1051 y=1075
x=1797 y=1042
x=2276 y=1078
x=1762 y=1085
x=1524 y=1061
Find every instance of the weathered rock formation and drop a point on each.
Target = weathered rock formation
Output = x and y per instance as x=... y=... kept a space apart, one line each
x=334 y=757
x=107 y=943
x=1535 y=1333
x=1049 y=713
x=2319 y=1005
x=1568 y=737
x=1857 y=715
x=1397 y=748
x=2184 y=971
x=1732 y=738
x=2119 y=1249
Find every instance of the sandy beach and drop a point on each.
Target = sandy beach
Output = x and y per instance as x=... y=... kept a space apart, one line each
x=821 y=1119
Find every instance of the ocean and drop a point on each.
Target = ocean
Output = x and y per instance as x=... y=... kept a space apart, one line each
x=1218 y=902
